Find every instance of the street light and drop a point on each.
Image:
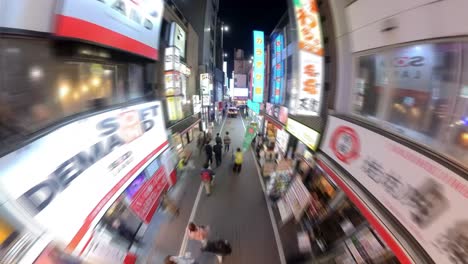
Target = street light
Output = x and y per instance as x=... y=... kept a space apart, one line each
x=225 y=55
x=250 y=61
x=226 y=28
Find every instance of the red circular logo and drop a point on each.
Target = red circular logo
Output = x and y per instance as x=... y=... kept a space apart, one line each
x=345 y=144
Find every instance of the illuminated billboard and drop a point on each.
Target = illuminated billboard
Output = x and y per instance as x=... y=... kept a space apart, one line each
x=278 y=71
x=308 y=97
x=258 y=66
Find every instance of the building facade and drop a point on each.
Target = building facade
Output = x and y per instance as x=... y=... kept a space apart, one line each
x=84 y=99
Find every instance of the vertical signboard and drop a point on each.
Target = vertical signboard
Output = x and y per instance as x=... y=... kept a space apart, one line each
x=277 y=72
x=178 y=37
x=205 y=88
x=308 y=98
x=258 y=67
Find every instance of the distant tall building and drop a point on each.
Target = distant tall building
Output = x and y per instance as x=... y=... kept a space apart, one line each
x=242 y=68
x=203 y=16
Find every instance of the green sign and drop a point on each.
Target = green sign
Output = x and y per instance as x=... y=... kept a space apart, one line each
x=250 y=133
x=253 y=106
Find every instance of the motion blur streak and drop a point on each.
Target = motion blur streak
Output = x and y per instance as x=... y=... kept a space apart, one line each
x=236 y=131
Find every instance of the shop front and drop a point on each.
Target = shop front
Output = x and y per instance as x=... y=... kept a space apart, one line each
x=255 y=115
x=183 y=133
x=94 y=182
x=273 y=139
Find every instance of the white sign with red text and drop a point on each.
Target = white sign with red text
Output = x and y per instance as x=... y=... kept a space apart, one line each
x=130 y=25
x=68 y=177
x=428 y=199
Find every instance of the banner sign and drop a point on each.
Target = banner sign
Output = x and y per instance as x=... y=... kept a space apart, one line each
x=128 y=25
x=258 y=80
x=307 y=100
x=88 y=163
x=305 y=134
x=146 y=200
x=250 y=133
x=428 y=199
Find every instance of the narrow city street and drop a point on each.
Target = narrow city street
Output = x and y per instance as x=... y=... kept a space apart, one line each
x=236 y=211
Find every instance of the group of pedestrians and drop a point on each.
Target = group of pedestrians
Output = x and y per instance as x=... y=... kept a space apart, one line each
x=217 y=149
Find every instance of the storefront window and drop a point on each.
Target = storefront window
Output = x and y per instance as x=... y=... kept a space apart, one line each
x=415 y=90
x=38 y=87
x=337 y=230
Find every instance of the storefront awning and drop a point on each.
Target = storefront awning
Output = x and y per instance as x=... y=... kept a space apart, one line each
x=184 y=125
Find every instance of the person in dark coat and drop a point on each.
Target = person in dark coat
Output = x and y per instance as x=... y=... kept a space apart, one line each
x=218 y=151
x=209 y=153
x=218 y=139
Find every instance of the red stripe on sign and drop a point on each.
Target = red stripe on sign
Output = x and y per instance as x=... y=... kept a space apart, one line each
x=87 y=223
x=77 y=28
x=383 y=232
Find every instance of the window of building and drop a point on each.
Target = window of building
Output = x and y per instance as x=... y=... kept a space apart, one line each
x=419 y=91
x=39 y=88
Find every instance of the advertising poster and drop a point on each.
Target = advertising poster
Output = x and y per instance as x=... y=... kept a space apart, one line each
x=258 y=79
x=307 y=102
x=132 y=26
x=428 y=199
x=83 y=173
x=147 y=198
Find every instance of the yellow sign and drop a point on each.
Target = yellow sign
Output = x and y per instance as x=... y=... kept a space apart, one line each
x=305 y=134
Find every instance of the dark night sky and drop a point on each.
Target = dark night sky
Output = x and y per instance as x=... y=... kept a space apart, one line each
x=244 y=16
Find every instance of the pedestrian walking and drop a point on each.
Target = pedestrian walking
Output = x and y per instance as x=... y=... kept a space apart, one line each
x=124 y=231
x=208 y=137
x=238 y=159
x=199 y=233
x=209 y=153
x=218 y=139
x=169 y=205
x=227 y=142
x=219 y=247
x=207 y=176
x=200 y=142
x=218 y=151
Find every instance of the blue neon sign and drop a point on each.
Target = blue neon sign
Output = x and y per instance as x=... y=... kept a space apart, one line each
x=278 y=71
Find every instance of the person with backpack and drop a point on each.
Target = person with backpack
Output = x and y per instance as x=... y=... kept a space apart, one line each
x=238 y=159
x=207 y=178
x=220 y=248
x=227 y=142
